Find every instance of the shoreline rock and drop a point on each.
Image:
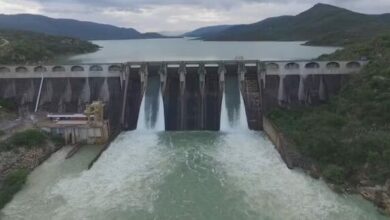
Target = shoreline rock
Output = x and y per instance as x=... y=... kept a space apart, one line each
x=379 y=195
x=22 y=158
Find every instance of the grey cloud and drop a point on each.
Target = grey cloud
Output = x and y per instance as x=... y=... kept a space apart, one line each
x=137 y=5
x=157 y=15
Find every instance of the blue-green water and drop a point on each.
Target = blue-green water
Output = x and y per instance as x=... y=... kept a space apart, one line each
x=187 y=49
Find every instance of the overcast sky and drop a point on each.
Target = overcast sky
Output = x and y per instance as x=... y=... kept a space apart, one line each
x=177 y=15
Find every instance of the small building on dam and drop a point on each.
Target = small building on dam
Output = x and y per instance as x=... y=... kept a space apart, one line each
x=88 y=127
x=192 y=91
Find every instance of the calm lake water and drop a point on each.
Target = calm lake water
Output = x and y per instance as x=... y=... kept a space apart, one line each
x=150 y=174
x=187 y=49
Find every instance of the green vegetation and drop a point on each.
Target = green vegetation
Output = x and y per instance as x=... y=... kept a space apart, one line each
x=11 y=185
x=350 y=136
x=321 y=25
x=71 y=28
x=30 y=47
x=29 y=138
x=7 y=105
x=14 y=181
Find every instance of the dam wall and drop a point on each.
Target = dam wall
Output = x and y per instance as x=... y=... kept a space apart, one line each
x=192 y=96
x=63 y=89
x=192 y=91
x=290 y=84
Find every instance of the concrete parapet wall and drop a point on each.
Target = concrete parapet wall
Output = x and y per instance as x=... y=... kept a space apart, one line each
x=312 y=67
x=114 y=69
x=61 y=71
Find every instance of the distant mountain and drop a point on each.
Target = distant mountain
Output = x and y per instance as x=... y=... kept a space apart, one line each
x=70 y=28
x=321 y=25
x=172 y=33
x=207 y=31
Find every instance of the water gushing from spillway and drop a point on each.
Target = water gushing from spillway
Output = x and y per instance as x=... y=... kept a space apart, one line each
x=233 y=114
x=160 y=123
x=149 y=174
x=151 y=115
x=142 y=123
x=243 y=121
x=224 y=124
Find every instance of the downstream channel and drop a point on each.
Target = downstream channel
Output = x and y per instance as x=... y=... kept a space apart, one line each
x=153 y=174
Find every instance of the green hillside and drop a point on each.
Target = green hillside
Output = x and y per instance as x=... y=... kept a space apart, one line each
x=206 y=31
x=17 y=47
x=71 y=28
x=350 y=136
x=320 y=25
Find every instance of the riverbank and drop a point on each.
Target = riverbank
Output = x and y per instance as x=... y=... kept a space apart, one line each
x=348 y=138
x=294 y=159
x=22 y=149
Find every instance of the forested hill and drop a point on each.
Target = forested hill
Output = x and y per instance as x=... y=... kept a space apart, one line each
x=349 y=137
x=207 y=31
x=321 y=25
x=21 y=47
x=71 y=28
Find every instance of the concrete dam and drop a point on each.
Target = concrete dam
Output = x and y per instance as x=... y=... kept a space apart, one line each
x=192 y=91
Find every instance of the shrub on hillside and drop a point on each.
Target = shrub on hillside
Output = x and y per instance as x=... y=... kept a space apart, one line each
x=351 y=133
x=28 y=138
x=7 y=105
x=11 y=185
x=334 y=174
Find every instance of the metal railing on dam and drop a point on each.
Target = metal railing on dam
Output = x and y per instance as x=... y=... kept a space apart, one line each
x=192 y=90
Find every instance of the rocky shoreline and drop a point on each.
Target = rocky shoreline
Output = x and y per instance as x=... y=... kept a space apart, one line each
x=18 y=160
x=23 y=158
x=377 y=194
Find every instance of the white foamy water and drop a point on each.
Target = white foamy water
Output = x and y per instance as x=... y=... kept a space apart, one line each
x=271 y=190
x=239 y=120
x=185 y=175
x=256 y=169
x=124 y=178
x=142 y=123
x=242 y=121
x=225 y=124
x=34 y=201
x=151 y=115
x=160 y=123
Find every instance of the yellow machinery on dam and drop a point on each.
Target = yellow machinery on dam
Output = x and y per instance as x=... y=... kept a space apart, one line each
x=89 y=128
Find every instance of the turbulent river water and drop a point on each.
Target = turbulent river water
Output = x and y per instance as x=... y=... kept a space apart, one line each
x=150 y=174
